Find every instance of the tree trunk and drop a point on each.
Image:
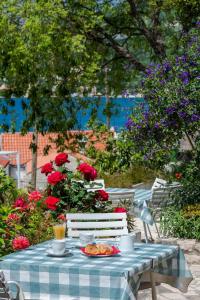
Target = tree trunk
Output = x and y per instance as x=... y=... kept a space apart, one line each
x=107 y=99
x=34 y=147
x=190 y=140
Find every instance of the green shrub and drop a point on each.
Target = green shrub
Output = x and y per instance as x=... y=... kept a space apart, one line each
x=174 y=223
x=8 y=189
x=189 y=194
x=126 y=179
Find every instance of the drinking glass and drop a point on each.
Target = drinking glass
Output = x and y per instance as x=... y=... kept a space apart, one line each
x=59 y=231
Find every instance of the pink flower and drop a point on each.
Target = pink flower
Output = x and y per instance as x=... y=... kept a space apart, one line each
x=120 y=210
x=34 y=196
x=61 y=159
x=20 y=203
x=20 y=242
x=12 y=217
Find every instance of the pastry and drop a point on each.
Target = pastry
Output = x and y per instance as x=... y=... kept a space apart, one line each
x=98 y=249
x=91 y=249
x=105 y=249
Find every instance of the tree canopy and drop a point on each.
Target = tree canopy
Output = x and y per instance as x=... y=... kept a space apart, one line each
x=44 y=57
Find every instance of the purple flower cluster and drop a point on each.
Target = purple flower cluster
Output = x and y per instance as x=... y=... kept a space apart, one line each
x=198 y=24
x=182 y=114
x=184 y=76
x=185 y=102
x=129 y=124
x=195 y=117
x=170 y=110
x=166 y=67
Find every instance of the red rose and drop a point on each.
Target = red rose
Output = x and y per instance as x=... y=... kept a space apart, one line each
x=55 y=177
x=178 y=175
x=120 y=210
x=61 y=159
x=51 y=202
x=21 y=204
x=47 y=168
x=88 y=171
x=20 y=242
x=101 y=195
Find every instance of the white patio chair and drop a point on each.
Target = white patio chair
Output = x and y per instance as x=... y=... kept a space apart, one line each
x=100 y=224
x=95 y=185
x=158 y=183
x=116 y=197
x=5 y=292
x=161 y=197
x=161 y=193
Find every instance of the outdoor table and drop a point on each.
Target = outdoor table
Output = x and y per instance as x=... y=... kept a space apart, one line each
x=81 y=277
x=141 y=198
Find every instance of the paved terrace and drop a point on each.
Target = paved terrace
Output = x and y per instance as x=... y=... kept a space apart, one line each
x=166 y=292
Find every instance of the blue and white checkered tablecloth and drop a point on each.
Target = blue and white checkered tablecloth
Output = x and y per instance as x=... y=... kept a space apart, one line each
x=141 y=197
x=81 y=277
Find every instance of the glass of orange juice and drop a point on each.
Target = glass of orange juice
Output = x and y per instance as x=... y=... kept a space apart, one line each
x=59 y=231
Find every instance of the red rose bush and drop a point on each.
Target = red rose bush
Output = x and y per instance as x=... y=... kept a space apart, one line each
x=65 y=193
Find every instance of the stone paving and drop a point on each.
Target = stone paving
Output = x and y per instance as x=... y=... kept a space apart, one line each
x=192 y=253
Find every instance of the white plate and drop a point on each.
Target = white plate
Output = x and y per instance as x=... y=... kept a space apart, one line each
x=52 y=254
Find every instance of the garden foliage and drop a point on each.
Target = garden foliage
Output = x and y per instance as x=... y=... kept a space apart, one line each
x=171 y=91
x=8 y=189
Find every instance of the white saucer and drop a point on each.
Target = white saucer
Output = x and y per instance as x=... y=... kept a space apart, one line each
x=52 y=254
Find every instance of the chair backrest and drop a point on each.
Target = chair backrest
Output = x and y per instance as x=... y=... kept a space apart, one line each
x=95 y=185
x=158 y=183
x=162 y=196
x=117 y=197
x=100 y=224
x=5 y=292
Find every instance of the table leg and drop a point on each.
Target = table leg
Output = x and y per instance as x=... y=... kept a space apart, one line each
x=145 y=232
x=149 y=232
x=153 y=287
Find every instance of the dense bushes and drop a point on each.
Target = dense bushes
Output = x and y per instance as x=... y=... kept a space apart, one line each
x=175 y=223
x=8 y=190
